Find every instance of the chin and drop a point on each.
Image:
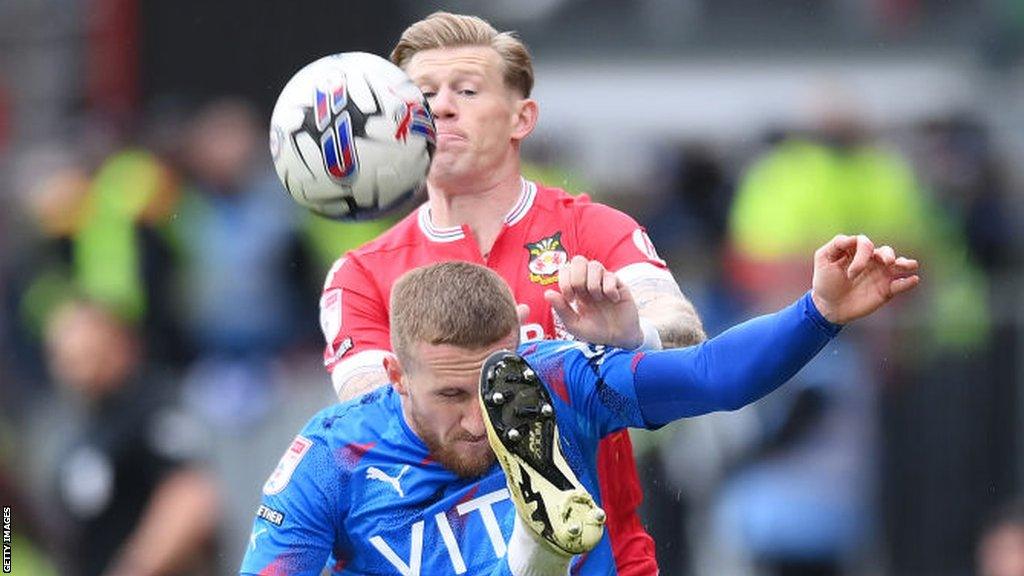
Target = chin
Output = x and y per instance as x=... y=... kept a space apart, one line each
x=443 y=173
x=467 y=463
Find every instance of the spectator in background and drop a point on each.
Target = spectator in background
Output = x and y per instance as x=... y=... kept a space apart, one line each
x=129 y=482
x=956 y=158
x=241 y=287
x=797 y=498
x=687 y=223
x=240 y=260
x=51 y=189
x=120 y=255
x=839 y=178
x=801 y=499
x=236 y=233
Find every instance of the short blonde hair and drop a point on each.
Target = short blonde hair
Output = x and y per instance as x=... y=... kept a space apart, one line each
x=447 y=30
x=456 y=303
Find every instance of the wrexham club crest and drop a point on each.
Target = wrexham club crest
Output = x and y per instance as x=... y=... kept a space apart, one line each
x=546 y=256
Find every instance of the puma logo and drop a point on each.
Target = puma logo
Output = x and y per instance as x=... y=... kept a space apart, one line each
x=374 y=473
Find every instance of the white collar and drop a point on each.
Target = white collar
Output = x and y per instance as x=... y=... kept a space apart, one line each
x=527 y=194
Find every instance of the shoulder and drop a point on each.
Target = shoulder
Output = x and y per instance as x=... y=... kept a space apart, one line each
x=579 y=208
x=359 y=420
x=401 y=236
x=338 y=433
x=551 y=198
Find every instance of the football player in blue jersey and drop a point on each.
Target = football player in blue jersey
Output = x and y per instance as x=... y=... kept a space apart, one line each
x=478 y=460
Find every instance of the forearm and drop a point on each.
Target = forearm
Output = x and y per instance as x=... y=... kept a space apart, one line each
x=662 y=304
x=355 y=376
x=733 y=369
x=676 y=320
x=349 y=386
x=179 y=520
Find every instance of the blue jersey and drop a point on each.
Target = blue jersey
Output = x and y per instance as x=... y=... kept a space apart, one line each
x=357 y=491
x=358 y=485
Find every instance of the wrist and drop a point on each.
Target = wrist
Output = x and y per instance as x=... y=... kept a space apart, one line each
x=652 y=339
x=813 y=311
x=822 y=307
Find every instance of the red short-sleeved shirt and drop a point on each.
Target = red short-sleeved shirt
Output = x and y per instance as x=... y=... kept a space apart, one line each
x=544 y=229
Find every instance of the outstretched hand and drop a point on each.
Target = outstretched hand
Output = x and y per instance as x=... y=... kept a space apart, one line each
x=852 y=278
x=595 y=305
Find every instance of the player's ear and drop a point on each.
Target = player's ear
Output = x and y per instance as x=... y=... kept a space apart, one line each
x=525 y=119
x=395 y=373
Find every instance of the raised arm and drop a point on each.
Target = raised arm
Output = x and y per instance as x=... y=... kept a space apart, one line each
x=851 y=279
x=354 y=321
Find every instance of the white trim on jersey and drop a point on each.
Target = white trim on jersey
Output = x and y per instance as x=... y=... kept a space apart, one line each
x=434 y=233
x=360 y=363
x=527 y=194
x=630 y=274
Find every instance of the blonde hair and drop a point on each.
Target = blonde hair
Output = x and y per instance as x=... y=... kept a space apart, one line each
x=456 y=303
x=447 y=30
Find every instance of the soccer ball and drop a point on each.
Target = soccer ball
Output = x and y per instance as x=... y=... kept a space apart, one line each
x=351 y=136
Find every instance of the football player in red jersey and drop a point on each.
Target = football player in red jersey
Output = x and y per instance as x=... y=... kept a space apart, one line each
x=546 y=244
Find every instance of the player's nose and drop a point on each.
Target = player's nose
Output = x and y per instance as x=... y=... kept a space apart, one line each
x=442 y=104
x=473 y=421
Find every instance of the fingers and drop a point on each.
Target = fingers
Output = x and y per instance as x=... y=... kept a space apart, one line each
x=837 y=248
x=561 y=306
x=572 y=277
x=865 y=250
x=595 y=279
x=563 y=310
x=905 y=265
x=897 y=266
x=903 y=284
x=522 y=312
x=581 y=278
x=886 y=255
x=610 y=286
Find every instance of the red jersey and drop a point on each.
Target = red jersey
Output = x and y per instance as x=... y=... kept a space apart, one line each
x=545 y=229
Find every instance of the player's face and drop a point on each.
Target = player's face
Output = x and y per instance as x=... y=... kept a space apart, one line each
x=478 y=118
x=440 y=403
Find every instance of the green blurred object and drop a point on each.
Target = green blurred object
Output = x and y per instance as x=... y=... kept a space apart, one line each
x=27 y=559
x=802 y=193
x=106 y=254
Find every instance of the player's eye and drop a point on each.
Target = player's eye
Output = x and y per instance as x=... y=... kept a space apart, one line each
x=428 y=94
x=467 y=92
x=451 y=394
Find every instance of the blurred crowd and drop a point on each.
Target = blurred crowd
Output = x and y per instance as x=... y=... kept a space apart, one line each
x=159 y=342
x=160 y=338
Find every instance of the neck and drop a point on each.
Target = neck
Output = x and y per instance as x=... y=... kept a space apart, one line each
x=482 y=209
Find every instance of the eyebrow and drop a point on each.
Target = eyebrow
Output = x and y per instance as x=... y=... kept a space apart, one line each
x=456 y=76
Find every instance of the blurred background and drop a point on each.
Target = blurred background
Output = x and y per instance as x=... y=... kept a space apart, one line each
x=159 y=343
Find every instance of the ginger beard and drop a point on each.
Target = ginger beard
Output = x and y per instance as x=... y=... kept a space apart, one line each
x=459 y=451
